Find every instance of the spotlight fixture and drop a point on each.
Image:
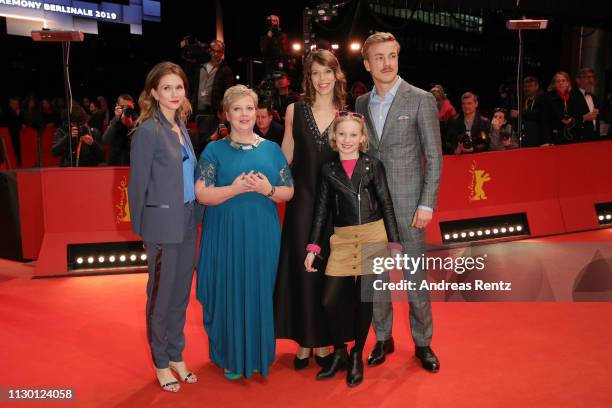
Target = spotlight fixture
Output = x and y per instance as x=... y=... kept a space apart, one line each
x=106 y=257
x=296 y=46
x=603 y=212
x=484 y=228
x=335 y=47
x=355 y=46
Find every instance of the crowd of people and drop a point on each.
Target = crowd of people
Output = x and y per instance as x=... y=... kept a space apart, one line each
x=565 y=113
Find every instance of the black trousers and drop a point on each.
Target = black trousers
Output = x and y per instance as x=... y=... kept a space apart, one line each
x=348 y=308
x=171 y=269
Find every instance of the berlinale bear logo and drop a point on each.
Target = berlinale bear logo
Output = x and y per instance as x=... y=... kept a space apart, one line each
x=476 y=187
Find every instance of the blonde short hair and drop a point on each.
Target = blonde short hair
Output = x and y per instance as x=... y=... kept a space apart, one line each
x=232 y=94
x=377 y=38
x=364 y=145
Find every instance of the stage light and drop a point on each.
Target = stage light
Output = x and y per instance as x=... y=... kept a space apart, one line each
x=463 y=235
x=488 y=232
x=479 y=233
x=335 y=46
x=106 y=257
x=296 y=46
x=503 y=230
x=471 y=234
x=237 y=77
x=601 y=218
x=455 y=236
x=355 y=46
x=519 y=228
x=511 y=229
x=495 y=230
x=447 y=237
x=608 y=217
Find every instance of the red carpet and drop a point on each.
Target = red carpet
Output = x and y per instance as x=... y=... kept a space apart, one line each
x=88 y=333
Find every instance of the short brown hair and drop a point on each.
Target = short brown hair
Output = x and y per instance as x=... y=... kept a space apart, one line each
x=378 y=38
x=363 y=146
x=469 y=95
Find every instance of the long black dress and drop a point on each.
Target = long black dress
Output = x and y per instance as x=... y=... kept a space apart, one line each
x=298 y=311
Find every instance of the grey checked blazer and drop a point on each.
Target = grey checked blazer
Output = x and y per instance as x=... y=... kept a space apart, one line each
x=410 y=149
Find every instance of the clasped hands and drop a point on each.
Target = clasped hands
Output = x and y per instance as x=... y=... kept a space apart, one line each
x=252 y=182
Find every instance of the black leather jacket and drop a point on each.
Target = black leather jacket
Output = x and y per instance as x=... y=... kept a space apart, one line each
x=362 y=199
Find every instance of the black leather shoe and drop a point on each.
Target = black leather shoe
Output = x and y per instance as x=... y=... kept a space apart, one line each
x=354 y=375
x=324 y=361
x=301 y=363
x=380 y=350
x=429 y=361
x=339 y=362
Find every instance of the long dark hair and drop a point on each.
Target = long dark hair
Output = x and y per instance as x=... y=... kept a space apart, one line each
x=327 y=59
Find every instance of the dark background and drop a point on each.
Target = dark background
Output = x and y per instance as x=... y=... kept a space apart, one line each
x=115 y=61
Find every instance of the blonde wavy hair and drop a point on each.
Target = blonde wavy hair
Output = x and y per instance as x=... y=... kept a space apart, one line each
x=327 y=59
x=147 y=103
x=363 y=145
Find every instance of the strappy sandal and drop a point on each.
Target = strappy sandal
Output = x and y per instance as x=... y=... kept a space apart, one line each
x=169 y=386
x=190 y=378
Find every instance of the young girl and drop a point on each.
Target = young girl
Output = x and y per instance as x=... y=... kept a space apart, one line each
x=354 y=191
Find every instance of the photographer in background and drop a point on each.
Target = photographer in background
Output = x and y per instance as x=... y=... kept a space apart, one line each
x=117 y=133
x=87 y=150
x=502 y=136
x=468 y=132
x=271 y=45
x=210 y=76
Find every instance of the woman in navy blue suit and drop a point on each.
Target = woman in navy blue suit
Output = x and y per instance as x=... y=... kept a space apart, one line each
x=165 y=214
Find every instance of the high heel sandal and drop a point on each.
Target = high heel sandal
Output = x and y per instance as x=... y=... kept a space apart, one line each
x=230 y=375
x=190 y=378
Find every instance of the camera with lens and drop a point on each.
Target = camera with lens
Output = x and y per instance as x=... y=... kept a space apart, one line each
x=466 y=140
x=267 y=88
x=128 y=111
x=195 y=51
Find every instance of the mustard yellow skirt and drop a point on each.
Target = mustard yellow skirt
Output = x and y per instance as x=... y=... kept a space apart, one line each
x=354 y=248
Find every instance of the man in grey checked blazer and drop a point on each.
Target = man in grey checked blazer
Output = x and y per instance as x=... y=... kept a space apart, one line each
x=404 y=133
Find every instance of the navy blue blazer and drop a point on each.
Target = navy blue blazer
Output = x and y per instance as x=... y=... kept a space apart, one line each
x=155 y=189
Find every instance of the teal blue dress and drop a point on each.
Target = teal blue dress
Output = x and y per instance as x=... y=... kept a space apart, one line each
x=238 y=257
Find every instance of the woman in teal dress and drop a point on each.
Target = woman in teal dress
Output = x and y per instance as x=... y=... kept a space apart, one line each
x=241 y=179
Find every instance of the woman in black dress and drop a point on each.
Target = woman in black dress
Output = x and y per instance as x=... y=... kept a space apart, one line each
x=299 y=314
x=558 y=111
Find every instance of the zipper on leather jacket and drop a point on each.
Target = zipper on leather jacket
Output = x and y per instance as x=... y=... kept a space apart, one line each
x=359 y=201
x=358 y=194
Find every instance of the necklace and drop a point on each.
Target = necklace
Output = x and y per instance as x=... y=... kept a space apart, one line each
x=246 y=146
